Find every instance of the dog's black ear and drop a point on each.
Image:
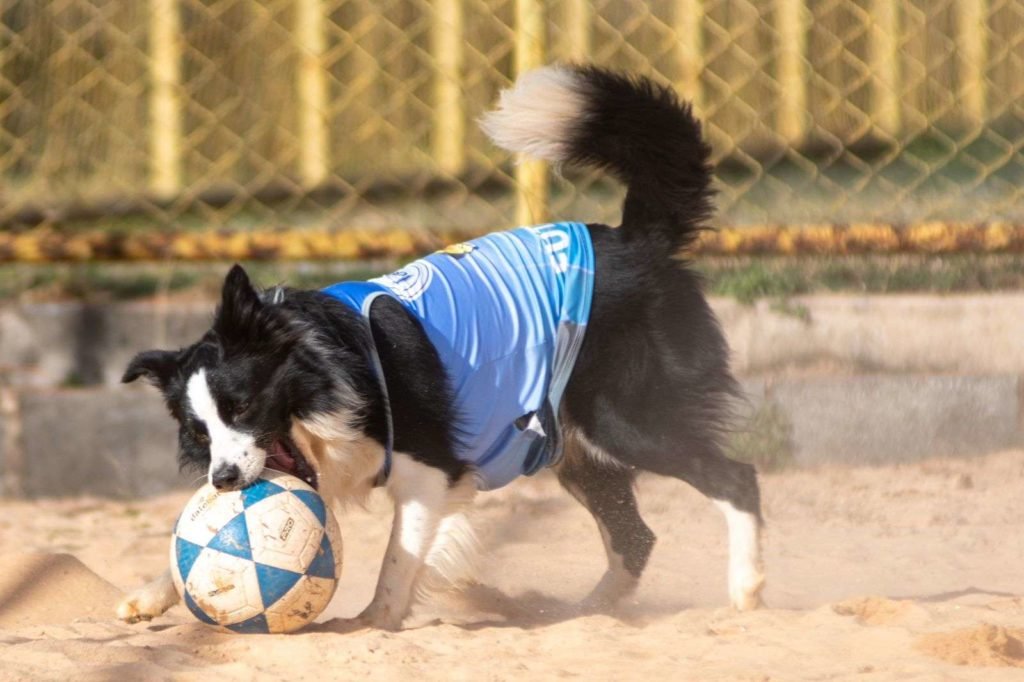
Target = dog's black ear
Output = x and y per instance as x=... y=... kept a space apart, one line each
x=238 y=294
x=158 y=366
x=239 y=301
x=243 y=321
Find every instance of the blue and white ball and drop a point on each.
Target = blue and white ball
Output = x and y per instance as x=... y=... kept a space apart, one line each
x=263 y=559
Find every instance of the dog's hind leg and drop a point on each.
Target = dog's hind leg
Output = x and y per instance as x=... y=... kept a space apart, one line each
x=733 y=488
x=605 y=488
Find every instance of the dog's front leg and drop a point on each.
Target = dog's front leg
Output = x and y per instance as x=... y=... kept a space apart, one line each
x=149 y=601
x=420 y=494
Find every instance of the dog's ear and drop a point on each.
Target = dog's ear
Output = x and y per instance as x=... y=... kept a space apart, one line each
x=244 y=322
x=158 y=366
x=238 y=295
x=239 y=302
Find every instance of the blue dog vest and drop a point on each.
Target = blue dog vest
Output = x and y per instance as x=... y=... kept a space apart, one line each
x=507 y=314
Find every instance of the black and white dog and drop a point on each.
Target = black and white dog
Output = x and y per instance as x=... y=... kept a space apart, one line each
x=290 y=379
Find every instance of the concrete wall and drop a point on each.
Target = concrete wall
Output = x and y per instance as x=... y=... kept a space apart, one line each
x=92 y=441
x=56 y=344
x=980 y=334
x=52 y=344
x=870 y=419
x=858 y=379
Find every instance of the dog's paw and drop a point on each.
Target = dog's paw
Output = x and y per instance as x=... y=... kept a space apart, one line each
x=381 y=617
x=745 y=590
x=149 y=601
x=614 y=587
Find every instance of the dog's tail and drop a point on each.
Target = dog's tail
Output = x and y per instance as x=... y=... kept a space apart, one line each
x=637 y=130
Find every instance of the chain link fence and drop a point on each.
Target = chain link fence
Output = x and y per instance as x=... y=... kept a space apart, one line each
x=330 y=115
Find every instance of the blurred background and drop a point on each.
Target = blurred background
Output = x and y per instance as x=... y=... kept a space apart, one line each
x=336 y=114
x=862 y=146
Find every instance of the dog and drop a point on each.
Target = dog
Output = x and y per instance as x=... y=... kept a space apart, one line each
x=624 y=369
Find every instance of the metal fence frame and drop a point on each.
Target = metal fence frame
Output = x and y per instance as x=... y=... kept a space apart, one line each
x=541 y=31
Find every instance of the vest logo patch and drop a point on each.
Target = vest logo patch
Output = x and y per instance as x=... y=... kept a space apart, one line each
x=410 y=282
x=458 y=249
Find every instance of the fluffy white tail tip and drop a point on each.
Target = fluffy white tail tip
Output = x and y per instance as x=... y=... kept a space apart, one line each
x=539 y=114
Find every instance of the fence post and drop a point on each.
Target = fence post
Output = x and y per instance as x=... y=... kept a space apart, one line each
x=165 y=98
x=884 y=63
x=531 y=175
x=579 y=15
x=972 y=57
x=447 y=40
x=791 y=27
x=313 y=143
x=690 y=48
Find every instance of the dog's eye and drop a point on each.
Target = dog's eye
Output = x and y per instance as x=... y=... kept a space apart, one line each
x=201 y=438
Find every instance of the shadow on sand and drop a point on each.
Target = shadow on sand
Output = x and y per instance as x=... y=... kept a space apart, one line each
x=481 y=606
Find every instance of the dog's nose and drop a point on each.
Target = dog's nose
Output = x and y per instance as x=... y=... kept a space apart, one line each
x=225 y=477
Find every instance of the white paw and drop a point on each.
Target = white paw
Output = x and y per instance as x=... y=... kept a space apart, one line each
x=746 y=579
x=745 y=588
x=382 y=617
x=149 y=601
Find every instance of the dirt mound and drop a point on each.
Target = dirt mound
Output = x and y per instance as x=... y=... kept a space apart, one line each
x=37 y=589
x=984 y=645
x=874 y=610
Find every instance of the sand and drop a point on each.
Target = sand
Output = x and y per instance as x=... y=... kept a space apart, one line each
x=902 y=572
x=37 y=588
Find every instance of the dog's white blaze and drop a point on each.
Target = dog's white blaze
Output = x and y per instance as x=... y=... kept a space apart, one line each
x=745 y=575
x=227 y=445
x=537 y=115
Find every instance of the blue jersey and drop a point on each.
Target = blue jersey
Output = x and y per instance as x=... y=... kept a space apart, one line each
x=507 y=314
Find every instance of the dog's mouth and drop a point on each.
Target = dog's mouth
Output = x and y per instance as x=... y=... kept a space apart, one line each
x=283 y=456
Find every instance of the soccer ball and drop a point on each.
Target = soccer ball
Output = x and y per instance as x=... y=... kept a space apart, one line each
x=266 y=558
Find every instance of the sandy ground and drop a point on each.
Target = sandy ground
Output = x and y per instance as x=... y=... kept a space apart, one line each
x=906 y=572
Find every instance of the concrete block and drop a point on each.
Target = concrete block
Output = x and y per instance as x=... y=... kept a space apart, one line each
x=873 y=419
x=144 y=325
x=121 y=442
x=3 y=454
x=753 y=395
x=926 y=333
x=111 y=442
x=19 y=345
x=53 y=344
x=10 y=444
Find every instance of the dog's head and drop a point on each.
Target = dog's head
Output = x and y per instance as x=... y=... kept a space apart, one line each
x=238 y=392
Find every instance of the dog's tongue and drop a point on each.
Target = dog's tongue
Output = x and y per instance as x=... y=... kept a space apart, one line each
x=282 y=457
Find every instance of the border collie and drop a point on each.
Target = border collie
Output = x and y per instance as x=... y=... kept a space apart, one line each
x=587 y=348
